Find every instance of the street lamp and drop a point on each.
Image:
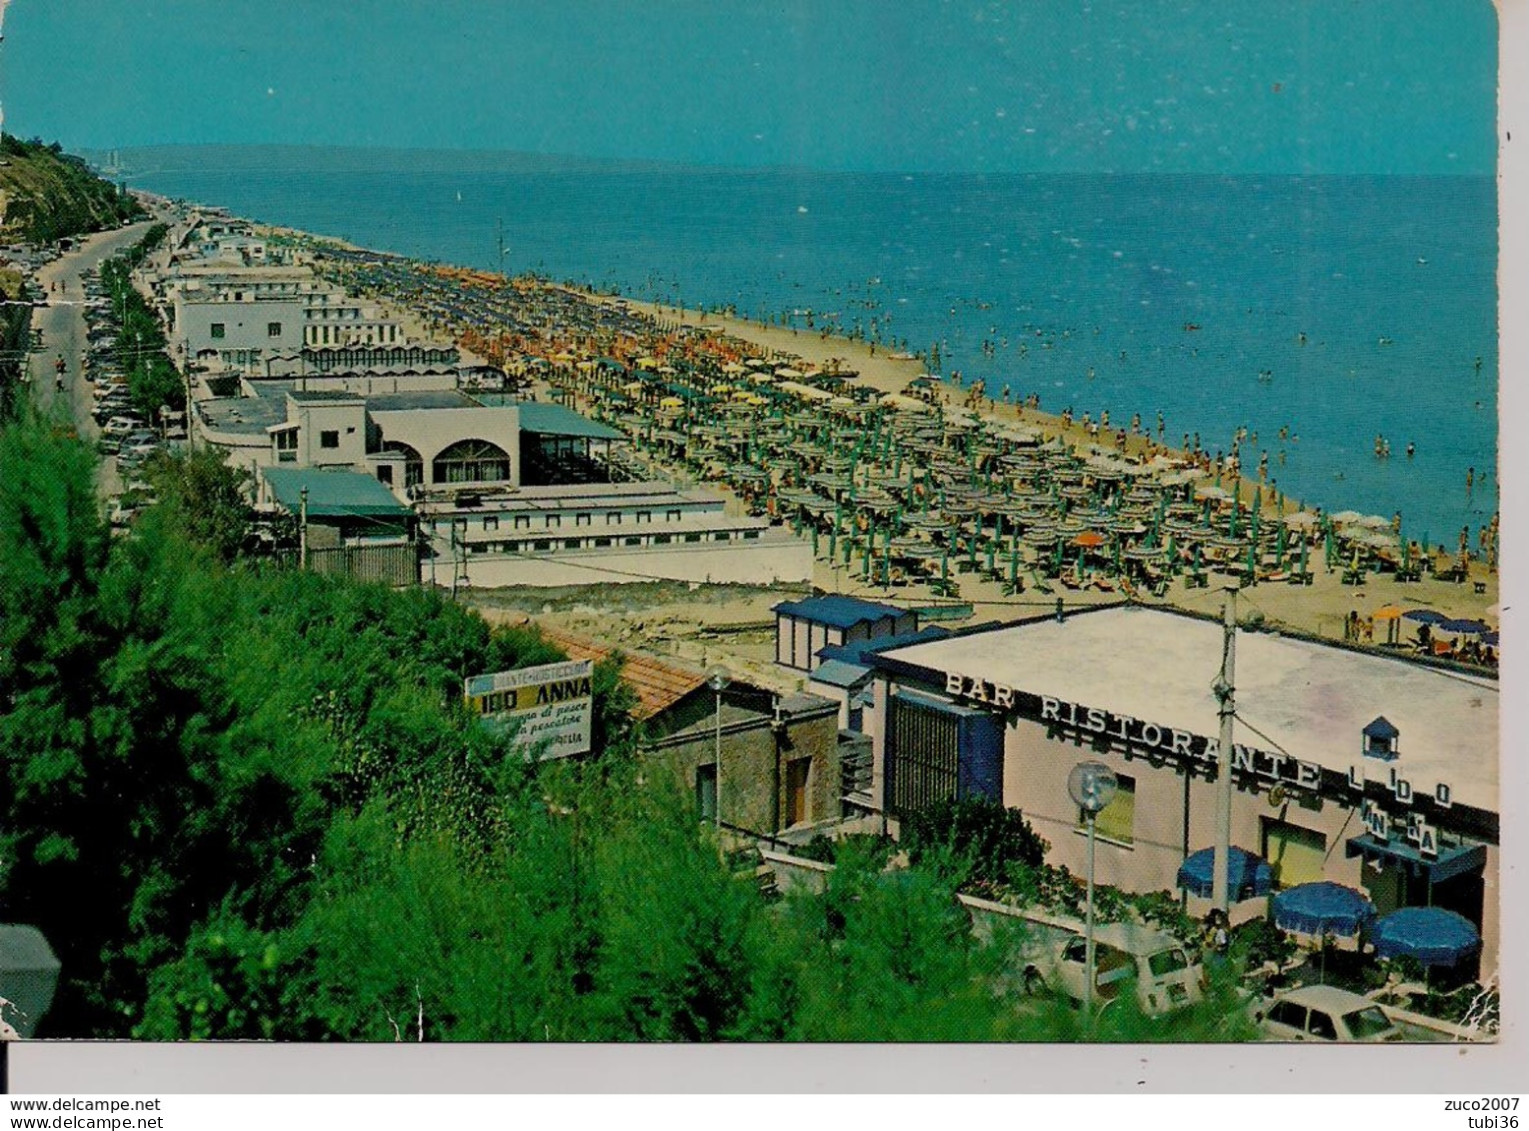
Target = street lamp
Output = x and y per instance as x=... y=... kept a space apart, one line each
x=1092 y=786
x=717 y=679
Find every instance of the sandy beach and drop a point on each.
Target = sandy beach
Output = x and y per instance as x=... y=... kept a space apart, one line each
x=732 y=625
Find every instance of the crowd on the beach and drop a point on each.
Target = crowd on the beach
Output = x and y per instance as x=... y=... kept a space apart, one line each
x=927 y=486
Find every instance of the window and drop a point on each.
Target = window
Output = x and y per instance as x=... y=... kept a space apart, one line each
x=672 y=516
x=471 y=461
x=273 y=329
x=1288 y=1013
x=662 y=539
x=721 y=536
x=750 y=535
x=706 y=791
x=490 y=522
x=329 y=439
x=581 y=519
x=600 y=543
x=1295 y=854
x=572 y=543
x=219 y=330
x=554 y=521
x=542 y=546
x=286 y=441
x=1322 y=1026
x=385 y=475
x=635 y=540
x=644 y=516
x=1168 y=962
x=522 y=522
x=692 y=537
x=613 y=518
x=1117 y=820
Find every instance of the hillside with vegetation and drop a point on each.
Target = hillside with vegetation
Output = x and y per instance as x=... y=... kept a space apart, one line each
x=51 y=195
x=248 y=802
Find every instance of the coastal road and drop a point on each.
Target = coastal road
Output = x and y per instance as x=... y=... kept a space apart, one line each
x=62 y=325
x=62 y=321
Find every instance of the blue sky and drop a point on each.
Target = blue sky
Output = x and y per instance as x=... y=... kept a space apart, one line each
x=1371 y=86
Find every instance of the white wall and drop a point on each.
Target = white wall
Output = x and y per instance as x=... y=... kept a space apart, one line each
x=734 y=563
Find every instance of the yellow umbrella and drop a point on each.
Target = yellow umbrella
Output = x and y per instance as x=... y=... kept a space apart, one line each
x=672 y=402
x=1387 y=612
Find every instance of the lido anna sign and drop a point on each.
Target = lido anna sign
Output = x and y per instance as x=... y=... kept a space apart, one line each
x=1138 y=735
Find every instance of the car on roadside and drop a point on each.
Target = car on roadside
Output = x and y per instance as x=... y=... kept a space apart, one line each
x=1328 y=1014
x=1164 y=973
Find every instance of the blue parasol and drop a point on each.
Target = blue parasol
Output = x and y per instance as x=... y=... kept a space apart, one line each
x=1248 y=875
x=1424 y=616
x=1322 y=908
x=1431 y=935
x=1464 y=627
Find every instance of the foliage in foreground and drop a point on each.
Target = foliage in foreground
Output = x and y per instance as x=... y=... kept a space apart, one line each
x=247 y=803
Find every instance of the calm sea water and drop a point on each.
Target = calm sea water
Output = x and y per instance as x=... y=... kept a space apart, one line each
x=1336 y=307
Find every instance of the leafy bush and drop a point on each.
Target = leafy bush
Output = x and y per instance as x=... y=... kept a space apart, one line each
x=985 y=835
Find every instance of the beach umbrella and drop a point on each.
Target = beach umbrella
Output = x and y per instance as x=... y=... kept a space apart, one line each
x=1252 y=563
x=1424 y=616
x=1248 y=875
x=1322 y=908
x=1089 y=539
x=1462 y=627
x=1432 y=936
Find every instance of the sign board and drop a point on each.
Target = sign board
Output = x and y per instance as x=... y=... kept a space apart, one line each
x=551 y=705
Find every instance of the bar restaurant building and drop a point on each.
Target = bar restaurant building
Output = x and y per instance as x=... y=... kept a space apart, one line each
x=1368 y=770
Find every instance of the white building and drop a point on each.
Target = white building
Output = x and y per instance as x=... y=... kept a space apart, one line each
x=1326 y=789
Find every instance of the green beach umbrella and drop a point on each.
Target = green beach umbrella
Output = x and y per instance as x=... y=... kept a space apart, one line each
x=1013 y=566
x=1303 y=556
x=944 y=566
x=990 y=557
x=1327 y=549
x=1252 y=564
x=814 y=540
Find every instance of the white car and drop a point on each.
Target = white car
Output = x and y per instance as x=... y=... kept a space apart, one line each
x=1166 y=974
x=1326 y=1013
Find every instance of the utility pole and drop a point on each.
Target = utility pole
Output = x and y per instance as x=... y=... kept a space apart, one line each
x=1225 y=688
x=302 y=529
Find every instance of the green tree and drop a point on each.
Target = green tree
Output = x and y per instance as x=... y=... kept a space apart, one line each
x=202 y=499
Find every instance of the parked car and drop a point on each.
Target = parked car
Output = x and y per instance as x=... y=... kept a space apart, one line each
x=1167 y=975
x=1326 y=1013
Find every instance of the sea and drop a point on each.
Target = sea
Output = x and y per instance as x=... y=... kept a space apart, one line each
x=1323 y=314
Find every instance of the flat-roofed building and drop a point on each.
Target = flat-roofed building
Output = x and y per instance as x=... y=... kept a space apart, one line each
x=1408 y=812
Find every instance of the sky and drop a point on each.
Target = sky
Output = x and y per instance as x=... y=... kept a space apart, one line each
x=1231 y=86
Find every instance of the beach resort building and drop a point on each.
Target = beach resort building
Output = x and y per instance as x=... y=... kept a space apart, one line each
x=1369 y=770
x=804 y=628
